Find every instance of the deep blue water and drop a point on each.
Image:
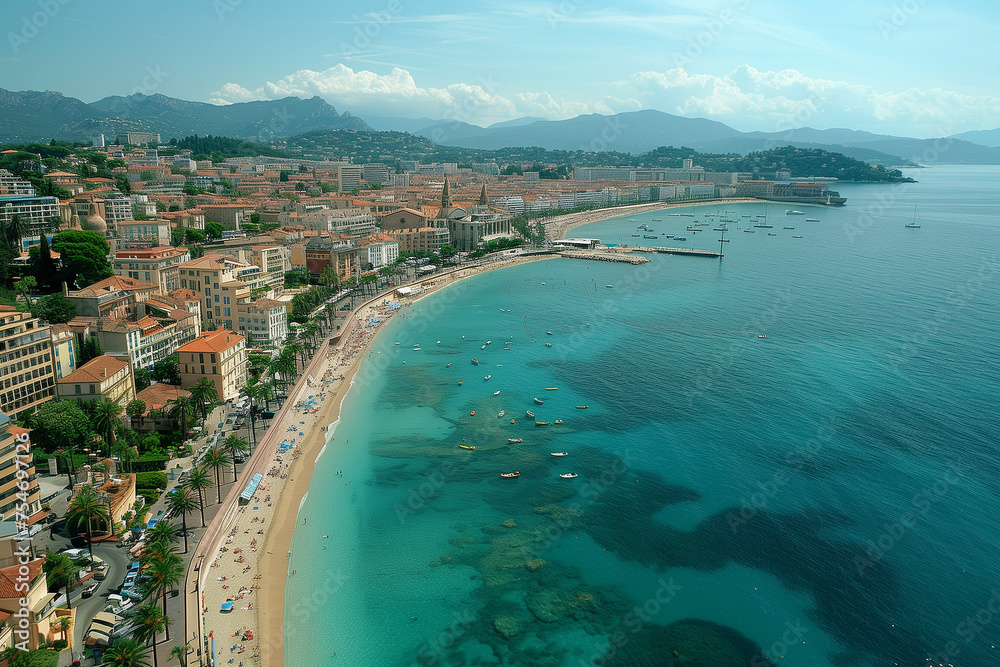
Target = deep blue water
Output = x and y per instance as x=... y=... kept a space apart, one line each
x=825 y=495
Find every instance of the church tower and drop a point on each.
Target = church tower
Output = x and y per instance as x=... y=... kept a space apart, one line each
x=445 y=195
x=483 y=201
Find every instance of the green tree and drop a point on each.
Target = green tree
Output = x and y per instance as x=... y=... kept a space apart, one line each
x=203 y=393
x=54 y=308
x=198 y=480
x=135 y=409
x=235 y=447
x=166 y=570
x=15 y=657
x=85 y=508
x=24 y=286
x=213 y=230
x=164 y=533
x=149 y=622
x=143 y=379
x=84 y=256
x=59 y=424
x=167 y=370
x=88 y=349
x=107 y=419
x=182 y=502
x=60 y=571
x=216 y=458
x=43 y=267
x=126 y=652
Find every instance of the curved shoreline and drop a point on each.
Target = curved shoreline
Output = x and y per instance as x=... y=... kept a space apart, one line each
x=559 y=227
x=290 y=487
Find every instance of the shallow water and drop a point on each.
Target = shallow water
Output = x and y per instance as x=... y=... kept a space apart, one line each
x=826 y=494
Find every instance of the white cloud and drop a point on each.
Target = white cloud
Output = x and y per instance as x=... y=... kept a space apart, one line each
x=747 y=98
x=771 y=101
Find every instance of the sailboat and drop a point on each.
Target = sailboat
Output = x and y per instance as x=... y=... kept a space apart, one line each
x=913 y=225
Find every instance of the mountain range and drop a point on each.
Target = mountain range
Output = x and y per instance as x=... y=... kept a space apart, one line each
x=33 y=116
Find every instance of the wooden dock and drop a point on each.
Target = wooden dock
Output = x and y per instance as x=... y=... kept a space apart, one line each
x=678 y=251
x=605 y=256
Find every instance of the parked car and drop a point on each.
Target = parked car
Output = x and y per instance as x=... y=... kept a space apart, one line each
x=91 y=589
x=130 y=579
x=130 y=593
x=101 y=574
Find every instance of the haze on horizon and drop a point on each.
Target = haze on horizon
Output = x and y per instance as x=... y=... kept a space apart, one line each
x=903 y=67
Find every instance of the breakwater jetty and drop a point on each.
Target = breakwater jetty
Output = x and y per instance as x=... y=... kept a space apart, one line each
x=605 y=256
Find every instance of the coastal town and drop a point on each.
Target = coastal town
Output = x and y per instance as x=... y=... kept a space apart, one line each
x=178 y=334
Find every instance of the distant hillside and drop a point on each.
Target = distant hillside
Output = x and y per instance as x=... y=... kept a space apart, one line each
x=989 y=138
x=34 y=116
x=247 y=120
x=638 y=132
x=361 y=146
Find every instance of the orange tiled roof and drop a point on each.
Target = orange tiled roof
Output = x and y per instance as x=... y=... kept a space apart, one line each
x=97 y=369
x=213 y=341
x=9 y=577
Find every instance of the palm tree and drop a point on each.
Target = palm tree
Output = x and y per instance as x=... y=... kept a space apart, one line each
x=106 y=421
x=216 y=458
x=234 y=446
x=60 y=570
x=166 y=571
x=149 y=622
x=85 y=508
x=203 y=392
x=182 y=502
x=252 y=391
x=163 y=533
x=184 y=405
x=198 y=480
x=63 y=624
x=126 y=652
x=294 y=348
x=179 y=652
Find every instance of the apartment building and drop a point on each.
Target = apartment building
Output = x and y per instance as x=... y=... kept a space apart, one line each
x=220 y=356
x=349 y=177
x=142 y=138
x=118 y=297
x=264 y=322
x=205 y=275
x=377 y=250
x=9 y=434
x=40 y=603
x=229 y=216
x=158 y=265
x=15 y=185
x=27 y=378
x=147 y=340
x=40 y=213
x=270 y=258
x=144 y=233
x=101 y=378
x=63 y=350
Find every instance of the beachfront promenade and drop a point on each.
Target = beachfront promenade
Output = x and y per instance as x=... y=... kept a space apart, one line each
x=253 y=578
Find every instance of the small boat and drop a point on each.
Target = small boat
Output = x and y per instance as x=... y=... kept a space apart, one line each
x=511 y=421
x=749 y=231
x=483 y=347
x=812 y=219
x=680 y=238
x=796 y=237
x=515 y=441
x=791 y=212
x=397 y=342
x=657 y=219
x=770 y=234
x=470 y=447
x=582 y=407
x=472 y=414
x=788 y=228
x=538 y=401
x=416 y=348
x=559 y=454
x=568 y=475
x=530 y=413
x=910 y=225
x=719 y=229
x=649 y=237
x=449 y=365
x=489 y=342
x=487 y=378
x=761 y=335
x=510 y=475
x=551 y=388
x=439 y=342
x=610 y=286
x=496 y=393
x=501 y=414
x=459 y=382
x=475 y=362
x=548 y=345
x=543 y=423
x=558 y=421
x=635 y=235
x=549 y=332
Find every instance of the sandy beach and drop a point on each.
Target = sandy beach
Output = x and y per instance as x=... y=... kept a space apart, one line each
x=558 y=228
x=242 y=558
x=245 y=548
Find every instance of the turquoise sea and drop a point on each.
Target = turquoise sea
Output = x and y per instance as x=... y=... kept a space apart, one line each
x=827 y=494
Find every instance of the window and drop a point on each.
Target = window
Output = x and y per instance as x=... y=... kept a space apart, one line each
x=201 y=358
x=213 y=358
x=78 y=389
x=92 y=389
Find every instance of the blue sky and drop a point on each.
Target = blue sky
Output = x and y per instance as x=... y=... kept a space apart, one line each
x=919 y=68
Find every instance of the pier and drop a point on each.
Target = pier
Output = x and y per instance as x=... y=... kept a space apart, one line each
x=678 y=251
x=604 y=256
